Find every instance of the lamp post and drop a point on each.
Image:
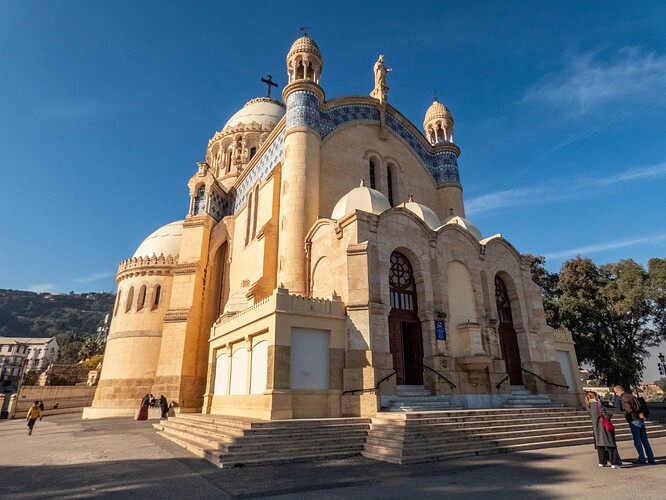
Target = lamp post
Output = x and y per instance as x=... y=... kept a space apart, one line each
x=661 y=365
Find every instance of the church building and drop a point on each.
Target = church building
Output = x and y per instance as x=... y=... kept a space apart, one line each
x=325 y=263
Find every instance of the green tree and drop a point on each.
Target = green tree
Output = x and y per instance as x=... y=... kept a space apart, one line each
x=90 y=347
x=550 y=291
x=615 y=313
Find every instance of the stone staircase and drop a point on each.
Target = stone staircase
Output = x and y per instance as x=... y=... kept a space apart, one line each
x=421 y=437
x=400 y=437
x=523 y=398
x=415 y=398
x=234 y=441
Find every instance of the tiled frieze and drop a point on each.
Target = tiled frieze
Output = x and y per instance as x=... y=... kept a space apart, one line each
x=303 y=110
x=263 y=167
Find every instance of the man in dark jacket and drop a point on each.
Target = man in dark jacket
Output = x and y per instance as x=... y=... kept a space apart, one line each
x=632 y=412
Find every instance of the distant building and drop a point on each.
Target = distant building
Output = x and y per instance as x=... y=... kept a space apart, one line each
x=19 y=355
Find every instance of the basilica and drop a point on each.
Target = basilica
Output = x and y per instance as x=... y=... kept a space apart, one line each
x=324 y=262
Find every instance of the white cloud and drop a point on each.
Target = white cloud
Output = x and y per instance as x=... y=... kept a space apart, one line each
x=559 y=190
x=588 y=82
x=93 y=277
x=602 y=247
x=42 y=287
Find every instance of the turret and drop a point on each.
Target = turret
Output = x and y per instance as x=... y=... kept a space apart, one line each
x=299 y=204
x=438 y=126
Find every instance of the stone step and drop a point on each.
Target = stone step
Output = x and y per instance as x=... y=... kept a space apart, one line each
x=428 y=419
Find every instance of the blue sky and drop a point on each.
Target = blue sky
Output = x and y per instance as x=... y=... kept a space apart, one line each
x=105 y=108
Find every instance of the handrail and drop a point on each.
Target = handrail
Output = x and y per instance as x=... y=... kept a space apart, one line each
x=502 y=381
x=370 y=389
x=544 y=380
x=451 y=384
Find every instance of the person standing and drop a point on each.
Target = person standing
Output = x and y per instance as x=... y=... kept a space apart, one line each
x=143 y=410
x=41 y=409
x=164 y=407
x=631 y=408
x=33 y=414
x=604 y=440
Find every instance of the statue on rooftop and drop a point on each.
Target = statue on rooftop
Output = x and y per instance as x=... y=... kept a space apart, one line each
x=381 y=90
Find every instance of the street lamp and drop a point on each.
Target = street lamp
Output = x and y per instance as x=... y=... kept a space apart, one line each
x=661 y=365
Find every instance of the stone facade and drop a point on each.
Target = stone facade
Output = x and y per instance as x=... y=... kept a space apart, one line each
x=290 y=292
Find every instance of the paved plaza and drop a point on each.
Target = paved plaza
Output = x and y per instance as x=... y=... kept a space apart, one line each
x=67 y=457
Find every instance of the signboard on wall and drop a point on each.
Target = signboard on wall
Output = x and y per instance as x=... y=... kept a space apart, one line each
x=440 y=329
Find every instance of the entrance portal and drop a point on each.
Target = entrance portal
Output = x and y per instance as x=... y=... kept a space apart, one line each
x=507 y=333
x=405 y=339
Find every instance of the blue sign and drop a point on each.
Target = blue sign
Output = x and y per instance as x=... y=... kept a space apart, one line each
x=440 y=330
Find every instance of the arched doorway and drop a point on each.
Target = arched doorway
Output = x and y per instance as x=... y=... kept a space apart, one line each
x=507 y=333
x=405 y=340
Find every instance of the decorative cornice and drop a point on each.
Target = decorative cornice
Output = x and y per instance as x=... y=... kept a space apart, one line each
x=176 y=315
x=187 y=268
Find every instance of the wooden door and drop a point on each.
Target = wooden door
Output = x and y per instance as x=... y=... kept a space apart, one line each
x=405 y=338
x=507 y=333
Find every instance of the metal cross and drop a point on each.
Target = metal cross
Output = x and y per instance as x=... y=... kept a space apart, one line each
x=304 y=29
x=269 y=83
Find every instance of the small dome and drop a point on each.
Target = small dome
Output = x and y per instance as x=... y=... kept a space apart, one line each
x=304 y=44
x=437 y=111
x=360 y=198
x=166 y=240
x=262 y=110
x=423 y=212
x=454 y=219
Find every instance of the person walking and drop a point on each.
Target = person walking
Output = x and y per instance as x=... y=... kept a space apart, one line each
x=604 y=436
x=631 y=408
x=164 y=407
x=33 y=414
x=41 y=409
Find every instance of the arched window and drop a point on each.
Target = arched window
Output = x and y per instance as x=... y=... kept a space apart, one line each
x=256 y=210
x=228 y=160
x=156 y=299
x=249 y=218
x=503 y=303
x=371 y=172
x=401 y=281
x=389 y=184
x=253 y=151
x=199 y=201
x=120 y=292
x=142 y=298
x=130 y=298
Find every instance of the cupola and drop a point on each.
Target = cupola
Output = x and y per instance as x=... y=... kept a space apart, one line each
x=361 y=198
x=464 y=223
x=438 y=123
x=304 y=61
x=422 y=212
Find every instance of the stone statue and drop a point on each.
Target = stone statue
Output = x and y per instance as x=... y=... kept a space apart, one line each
x=380 y=90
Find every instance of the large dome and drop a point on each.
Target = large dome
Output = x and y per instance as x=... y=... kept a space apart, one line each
x=166 y=240
x=262 y=110
x=360 y=198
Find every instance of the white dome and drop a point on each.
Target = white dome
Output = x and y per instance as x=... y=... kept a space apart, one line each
x=360 y=198
x=423 y=212
x=166 y=240
x=454 y=219
x=263 y=110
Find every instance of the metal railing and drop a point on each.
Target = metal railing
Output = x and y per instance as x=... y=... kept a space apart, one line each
x=451 y=384
x=502 y=381
x=543 y=379
x=371 y=389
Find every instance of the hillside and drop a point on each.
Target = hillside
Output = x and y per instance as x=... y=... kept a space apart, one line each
x=30 y=314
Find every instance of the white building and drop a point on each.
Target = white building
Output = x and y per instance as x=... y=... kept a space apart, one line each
x=19 y=354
